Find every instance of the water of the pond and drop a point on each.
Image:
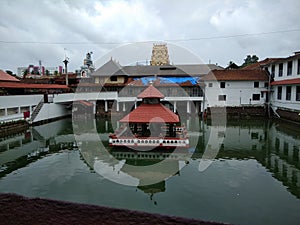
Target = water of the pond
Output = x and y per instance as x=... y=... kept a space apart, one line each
x=254 y=179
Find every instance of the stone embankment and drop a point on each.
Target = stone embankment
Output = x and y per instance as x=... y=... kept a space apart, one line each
x=13 y=127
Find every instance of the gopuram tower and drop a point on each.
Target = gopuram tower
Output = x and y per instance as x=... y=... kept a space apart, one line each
x=160 y=55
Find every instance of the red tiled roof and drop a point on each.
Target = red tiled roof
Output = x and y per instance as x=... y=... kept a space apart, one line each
x=85 y=103
x=6 y=77
x=237 y=75
x=290 y=81
x=258 y=65
x=154 y=113
x=151 y=92
x=31 y=86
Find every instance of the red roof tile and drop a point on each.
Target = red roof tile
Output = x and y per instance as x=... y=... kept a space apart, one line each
x=260 y=64
x=6 y=77
x=85 y=103
x=151 y=92
x=154 y=113
x=31 y=86
x=290 y=81
x=237 y=75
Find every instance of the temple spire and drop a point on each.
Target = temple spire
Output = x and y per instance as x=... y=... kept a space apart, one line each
x=160 y=55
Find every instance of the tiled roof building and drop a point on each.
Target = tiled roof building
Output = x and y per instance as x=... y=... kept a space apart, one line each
x=6 y=77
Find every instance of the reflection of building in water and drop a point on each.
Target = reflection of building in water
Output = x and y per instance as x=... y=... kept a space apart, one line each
x=20 y=150
x=283 y=158
x=271 y=144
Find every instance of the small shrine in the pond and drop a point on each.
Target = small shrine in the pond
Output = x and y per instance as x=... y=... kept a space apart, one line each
x=150 y=124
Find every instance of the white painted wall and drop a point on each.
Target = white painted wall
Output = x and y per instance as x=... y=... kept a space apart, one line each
x=12 y=101
x=238 y=93
x=283 y=103
x=17 y=102
x=69 y=97
x=51 y=111
x=284 y=75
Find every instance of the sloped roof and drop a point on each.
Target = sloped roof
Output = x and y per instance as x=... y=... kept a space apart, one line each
x=112 y=69
x=163 y=81
x=260 y=64
x=108 y=69
x=31 y=86
x=237 y=75
x=154 y=113
x=151 y=92
x=286 y=82
x=6 y=77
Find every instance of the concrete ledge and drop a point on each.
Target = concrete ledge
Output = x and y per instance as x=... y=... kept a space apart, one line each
x=16 y=209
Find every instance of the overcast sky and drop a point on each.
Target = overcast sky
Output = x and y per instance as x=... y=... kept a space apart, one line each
x=216 y=31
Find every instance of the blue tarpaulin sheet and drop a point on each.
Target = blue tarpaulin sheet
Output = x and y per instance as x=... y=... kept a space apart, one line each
x=168 y=80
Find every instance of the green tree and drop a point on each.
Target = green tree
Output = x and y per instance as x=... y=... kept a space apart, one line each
x=250 y=60
x=9 y=72
x=47 y=73
x=25 y=72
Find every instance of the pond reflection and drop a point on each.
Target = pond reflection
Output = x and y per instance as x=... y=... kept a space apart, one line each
x=257 y=165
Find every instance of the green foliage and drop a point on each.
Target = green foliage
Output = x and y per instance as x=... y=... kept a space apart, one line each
x=25 y=73
x=9 y=72
x=250 y=60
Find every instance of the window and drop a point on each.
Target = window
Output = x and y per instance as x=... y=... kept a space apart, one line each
x=256 y=97
x=256 y=84
x=285 y=148
x=210 y=84
x=266 y=84
x=296 y=153
x=298 y=93
x=113 y=78
x=279 y=92
x=288 y=93
x=222 y=84
x=280 y=72
x=277 y=144
x=222 y=97
x=254 y=135
x=298 y=67
x=273 y=70
x=196 y=92
x=289 y=68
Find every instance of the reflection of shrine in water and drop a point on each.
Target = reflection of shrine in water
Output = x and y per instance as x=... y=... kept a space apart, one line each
x=275 y=145
x=145 y=170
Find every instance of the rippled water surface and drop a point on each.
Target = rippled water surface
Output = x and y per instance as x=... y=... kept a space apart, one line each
x=254 y=179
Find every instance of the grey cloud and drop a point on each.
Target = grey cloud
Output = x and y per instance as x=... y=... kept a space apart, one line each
x=98 y=22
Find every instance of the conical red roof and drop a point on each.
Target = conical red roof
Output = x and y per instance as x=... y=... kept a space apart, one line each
x=151 y=92
x=154 y=113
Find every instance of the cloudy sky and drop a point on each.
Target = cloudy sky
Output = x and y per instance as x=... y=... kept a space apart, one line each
x=217 y=31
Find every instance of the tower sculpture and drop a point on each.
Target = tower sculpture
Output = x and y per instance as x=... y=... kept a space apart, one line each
x=160 y=55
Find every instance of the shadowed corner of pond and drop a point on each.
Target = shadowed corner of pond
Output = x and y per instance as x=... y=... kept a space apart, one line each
x=16 y=209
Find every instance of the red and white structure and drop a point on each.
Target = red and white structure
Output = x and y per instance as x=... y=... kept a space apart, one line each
x=151 y=124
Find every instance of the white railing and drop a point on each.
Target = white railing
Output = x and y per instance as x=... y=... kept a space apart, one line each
x=155 y=142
